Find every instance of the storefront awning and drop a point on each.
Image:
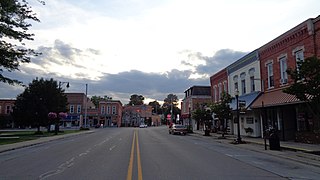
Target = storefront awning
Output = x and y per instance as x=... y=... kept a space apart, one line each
x=247 y=98
x=275 y=98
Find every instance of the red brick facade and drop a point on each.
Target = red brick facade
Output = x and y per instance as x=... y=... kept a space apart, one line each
x=219 y=83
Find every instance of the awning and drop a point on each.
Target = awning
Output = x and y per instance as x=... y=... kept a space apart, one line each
x=247 y=98
x=275 y=98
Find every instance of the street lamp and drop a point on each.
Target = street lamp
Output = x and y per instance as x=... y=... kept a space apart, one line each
x=236 y=93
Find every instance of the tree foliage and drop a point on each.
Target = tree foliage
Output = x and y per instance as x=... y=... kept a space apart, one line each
x=38 y=99
x=306 y=86
x=136 y=100
x=222 y=109
x=96 y=99
x=156 y=107
x=15 y=16
x=171 y=101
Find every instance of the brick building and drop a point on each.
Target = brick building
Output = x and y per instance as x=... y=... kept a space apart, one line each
x=195 y=97
x=135 y=115
x=219 y=83
x=110 y=113
x=279 y=110
x=6 y=107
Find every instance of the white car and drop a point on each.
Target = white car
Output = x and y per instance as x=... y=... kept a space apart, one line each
x=143 y=126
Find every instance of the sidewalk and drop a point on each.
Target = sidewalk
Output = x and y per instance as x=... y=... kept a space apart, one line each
x=299 y=152
x=9 y=147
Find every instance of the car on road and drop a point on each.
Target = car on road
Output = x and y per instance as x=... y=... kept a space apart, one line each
x=178 y=129
x=143 y=126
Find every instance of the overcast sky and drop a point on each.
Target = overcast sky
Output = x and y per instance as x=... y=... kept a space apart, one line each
x=149 y=47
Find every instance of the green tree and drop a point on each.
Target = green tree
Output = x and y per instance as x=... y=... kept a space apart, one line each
x=136 y=99
x=15 y=18
x=156 y=107
x=222 y=110
x=37 y=100
x=96 y=99
x=306 y=86
x=171 y=103
x=202 y=115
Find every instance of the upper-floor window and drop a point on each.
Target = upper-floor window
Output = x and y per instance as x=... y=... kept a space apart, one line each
x=114 y=110
x=215 y=93
x=0 y=109
x=283 y=70
x=270 y=75
x=299 y=57
x=252 y=84
x=220 y=90
x=235 y=82
x=225 y=86
x=103 y=109
x=243 y=83
x=8 y=110
x=78 y=108
x=71 y=109
x=108 y=109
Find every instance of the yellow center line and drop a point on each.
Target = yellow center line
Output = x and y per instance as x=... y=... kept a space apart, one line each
x=129 y=175
x=138 y=160
x=135 y=141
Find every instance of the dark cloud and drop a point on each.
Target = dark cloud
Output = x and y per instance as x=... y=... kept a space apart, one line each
x=122 y=85
x=219 y=60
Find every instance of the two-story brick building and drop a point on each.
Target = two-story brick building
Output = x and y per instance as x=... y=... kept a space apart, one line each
x=6 y=107
x=133 y=116
x=110 y=113
x=279 y=110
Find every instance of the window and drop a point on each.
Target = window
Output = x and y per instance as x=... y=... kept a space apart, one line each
x=0 y=110
x=283 y=70
x=71 y=108
x=270 y=75
x=114 y=109
x=252 y=84
x=8 y=110
x=299 y=57
x=220 y=90
x=249 y=120
x=225 y=86
x=243 y=83
x=78 y=108
x=215 y=94
x=108 y=109
x=103 y=109
x=235 y=82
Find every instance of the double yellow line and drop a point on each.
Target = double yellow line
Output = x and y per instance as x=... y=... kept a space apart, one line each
x=135 y=140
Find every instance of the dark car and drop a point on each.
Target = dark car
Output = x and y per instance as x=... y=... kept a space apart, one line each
x=178 y=129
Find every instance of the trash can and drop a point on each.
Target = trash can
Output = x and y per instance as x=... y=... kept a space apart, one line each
x=274 y=142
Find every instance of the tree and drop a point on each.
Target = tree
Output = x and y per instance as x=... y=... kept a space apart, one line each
x=156 y=107
x=171 y=103
x=15 y=16
x=96 y=99
x=136 y=99
x=222 y=110
x=306 y=86
x=38 y=99
x=203 y=116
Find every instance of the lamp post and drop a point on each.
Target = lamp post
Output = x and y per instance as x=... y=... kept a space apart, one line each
x=236 y=93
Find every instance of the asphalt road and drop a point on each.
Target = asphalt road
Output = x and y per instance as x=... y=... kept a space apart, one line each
x=146 y=153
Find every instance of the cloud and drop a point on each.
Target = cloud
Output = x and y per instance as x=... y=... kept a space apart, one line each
x=120 y=85
x=206 y=66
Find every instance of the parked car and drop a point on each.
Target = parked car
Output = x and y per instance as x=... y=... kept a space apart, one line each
x=178 y=129
x=143 y=126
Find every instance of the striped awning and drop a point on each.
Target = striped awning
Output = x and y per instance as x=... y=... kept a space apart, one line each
x=275 y=98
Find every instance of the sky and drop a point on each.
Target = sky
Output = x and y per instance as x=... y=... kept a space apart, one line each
x=149 y=47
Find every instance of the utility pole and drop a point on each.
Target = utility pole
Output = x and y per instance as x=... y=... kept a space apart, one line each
x=86 y=105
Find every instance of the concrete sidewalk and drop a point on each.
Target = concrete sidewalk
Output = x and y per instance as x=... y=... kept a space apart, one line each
x=298 y=152
x=287 y=145
x=9 y=147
